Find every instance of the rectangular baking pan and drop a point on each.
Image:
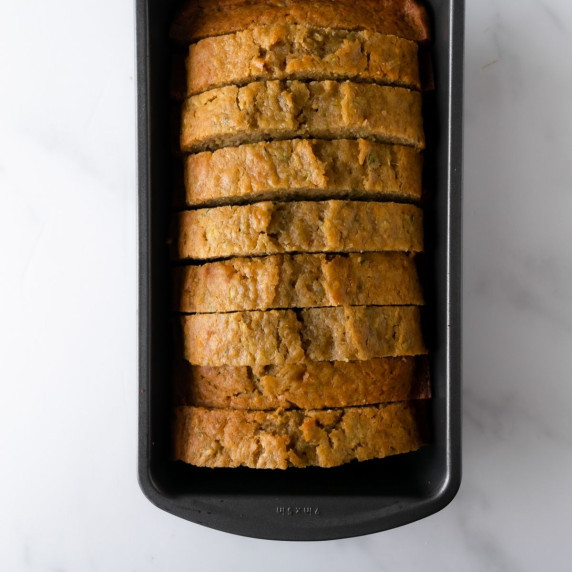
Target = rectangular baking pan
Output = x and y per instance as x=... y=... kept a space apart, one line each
x=303 y=504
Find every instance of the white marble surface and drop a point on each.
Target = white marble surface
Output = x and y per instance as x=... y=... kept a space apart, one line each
x=69 y=498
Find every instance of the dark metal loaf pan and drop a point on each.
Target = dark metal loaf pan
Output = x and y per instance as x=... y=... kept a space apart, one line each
x=303 y=504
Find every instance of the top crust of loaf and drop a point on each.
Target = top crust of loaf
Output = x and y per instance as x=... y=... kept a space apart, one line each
x=203 y=18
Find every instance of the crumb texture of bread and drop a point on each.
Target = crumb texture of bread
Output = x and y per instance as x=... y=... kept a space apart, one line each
x=233 y=115
x=275 y=228
x=297 y=438
x=303 y=168
x=203 y=18
x=289 y=51
x=292 y=336
x=305 y=385
x=299 y=281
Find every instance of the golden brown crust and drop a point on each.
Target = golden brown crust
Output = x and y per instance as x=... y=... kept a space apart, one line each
x=308 y=385
x=292 y=336
x=299 y=281
x=285 y=51
x=297 y=438
x=232 y=115
x=273 y=228
x=203 y=18
x=303 y=168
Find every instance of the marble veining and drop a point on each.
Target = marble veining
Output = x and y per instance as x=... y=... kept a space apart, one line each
x=554 y=17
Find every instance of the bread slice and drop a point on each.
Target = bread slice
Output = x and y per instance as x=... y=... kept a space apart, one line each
x=291 y=336
x=298 y=281
x=297 y=438
x=273 y=228
x=290 y=51
x=307 y=385
x=203 y=18
x=233 y=115
x=303 y=168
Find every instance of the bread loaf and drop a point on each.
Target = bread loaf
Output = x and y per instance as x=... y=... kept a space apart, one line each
x=301 y=330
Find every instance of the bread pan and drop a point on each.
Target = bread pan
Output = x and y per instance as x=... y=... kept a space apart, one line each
x=302 y=504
